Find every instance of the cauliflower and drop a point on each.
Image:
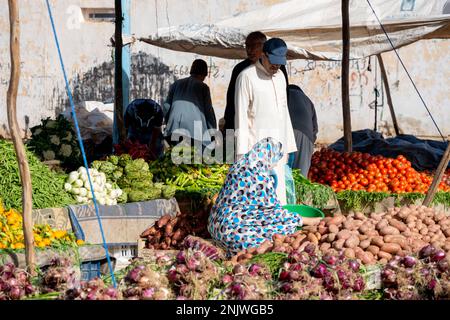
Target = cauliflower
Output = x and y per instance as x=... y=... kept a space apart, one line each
x=48 y=155
x=55 y=140
x=66 y=150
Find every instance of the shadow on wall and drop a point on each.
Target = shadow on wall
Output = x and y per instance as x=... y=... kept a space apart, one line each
x=150 y=78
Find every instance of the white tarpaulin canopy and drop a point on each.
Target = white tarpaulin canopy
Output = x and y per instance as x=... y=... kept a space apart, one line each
x=312 y=29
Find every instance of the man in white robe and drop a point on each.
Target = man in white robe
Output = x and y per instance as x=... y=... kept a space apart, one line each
x=262 y=109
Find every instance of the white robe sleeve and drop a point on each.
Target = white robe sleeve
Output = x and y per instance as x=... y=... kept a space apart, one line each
x=242 y=101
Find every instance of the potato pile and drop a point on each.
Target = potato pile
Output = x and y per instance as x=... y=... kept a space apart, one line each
x=376 y=238
x=169 y=232
x=399 y=231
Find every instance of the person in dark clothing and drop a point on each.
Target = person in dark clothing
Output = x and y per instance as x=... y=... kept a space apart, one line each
x=254 y=47
x=304 y=122
x=143 y=120
x=188 y=106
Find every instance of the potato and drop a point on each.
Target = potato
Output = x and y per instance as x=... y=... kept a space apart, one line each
x=365 y=244
x=428 y=221
x=378 y=241
x=325 y=246
x=424 y=231
x=399 y=239
x=363 y=257
x=322 y=230
x=338 y=245
x=163 y=221
x=336 y=220
x=313 y=238
x=278 y=237
x=376 y=216
x=446 y=246
x=352 y=242
x=397 y=224
x=389 y=230
x=333 y=229
x=362 y=237
x=252 y=250
x=447 y=232
x=373 y=249
x=384 y=255
x=344 y=234
x=349 y=253
x=426 y=238
x=391 y=248
x=383 y=261
x=318 y=235
x=360 y=216
x=382 y=224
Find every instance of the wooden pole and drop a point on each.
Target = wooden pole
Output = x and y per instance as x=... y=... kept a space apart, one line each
x=388 y=93
x=345 y=76
x=118 y=88
x=438 y=175
x=11 y=105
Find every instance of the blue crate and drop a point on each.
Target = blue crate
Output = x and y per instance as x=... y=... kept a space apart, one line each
x=90 y=270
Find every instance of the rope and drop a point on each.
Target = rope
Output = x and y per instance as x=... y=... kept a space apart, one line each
x=406 y=70
x=80 y=140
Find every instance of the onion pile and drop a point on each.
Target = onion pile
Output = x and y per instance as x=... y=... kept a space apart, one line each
x=144 y=283
x=59 y=276
x=14 y=283
x=426 y=276
x=94 y=289
x=308 y=275
x=193 y=274
x=247 y=283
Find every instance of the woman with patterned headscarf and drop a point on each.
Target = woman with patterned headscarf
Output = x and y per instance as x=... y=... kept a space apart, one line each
x=247 y=211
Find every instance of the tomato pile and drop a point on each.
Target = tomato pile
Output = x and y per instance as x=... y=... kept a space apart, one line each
x=362 y=171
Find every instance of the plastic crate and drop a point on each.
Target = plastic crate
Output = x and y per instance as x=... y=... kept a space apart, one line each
x=90 y=270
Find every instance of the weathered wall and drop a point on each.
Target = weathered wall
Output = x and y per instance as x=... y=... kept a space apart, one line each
x=88 y=59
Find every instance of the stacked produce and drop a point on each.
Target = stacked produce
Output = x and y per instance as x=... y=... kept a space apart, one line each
x=309 y=275
x=426 y=276
x=371 y=239
x=11 y=233
x=15 y=283
x=170 y=231
x=193 y=275
x=134 y=178
x=46 y=184
x=56 y=140
x=94 y=289
x=78 y=185
x=145 y=283
x=361 y=171
x=399 y=231
x=189 y=175
x=59 y=276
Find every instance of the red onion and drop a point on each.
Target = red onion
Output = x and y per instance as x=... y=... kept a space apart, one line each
x=409 y=261
x=330 y=259
x=286 y=287
x=133 y=275
x=255 y=269
x=426 y=251
x=239 y=269
x=148 y=293
x=29 y=289
x=91 y=295
x=354 y=265
x=14 y=293
x=296 y=267
x=227 y=279
x=111 y=292
x=181 y=257
x=358 y=285
x=442 y=265
x=294 y=275
x=310 y=249
x=182 y=268
x=284 y=276
x=432 y=284
x=236 y=289
x=192 y=264
x=13 y=282
x=173 y=276
x=319 y=271
x=438 y=256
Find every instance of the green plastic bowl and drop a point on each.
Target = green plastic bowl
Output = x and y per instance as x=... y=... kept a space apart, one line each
x=304 y=210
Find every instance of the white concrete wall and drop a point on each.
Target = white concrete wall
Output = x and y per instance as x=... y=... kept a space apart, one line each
x=88 y=59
